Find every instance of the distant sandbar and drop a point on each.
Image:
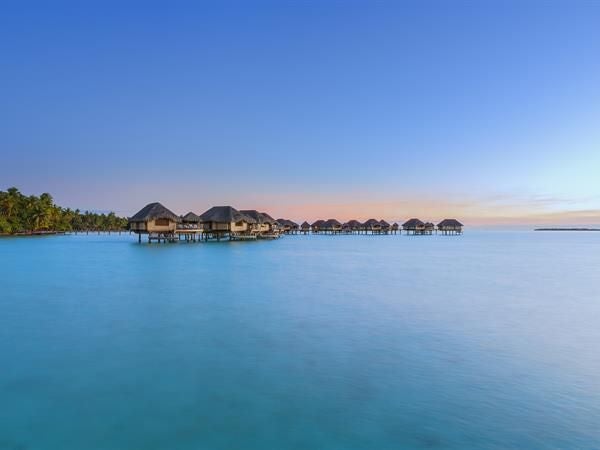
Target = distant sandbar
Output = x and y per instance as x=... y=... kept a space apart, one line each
x=567 y=229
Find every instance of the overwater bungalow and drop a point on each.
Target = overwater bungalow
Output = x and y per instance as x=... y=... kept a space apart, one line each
x=332 y=226
x=429 y=228
x=190 y=219
x=414 y=226
x=189 y=227
x=450 y=226
x=317 y=226
x=354 y=226
x=305 y=227
x=273 y=230
x=158 y=222
x=385 y=227
x=265 y=226
x=373 y=226
x=294 y=227
x=226 y=221
x=288 y=226
x=395 y=227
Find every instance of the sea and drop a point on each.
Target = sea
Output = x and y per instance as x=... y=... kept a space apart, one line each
x=489 y=340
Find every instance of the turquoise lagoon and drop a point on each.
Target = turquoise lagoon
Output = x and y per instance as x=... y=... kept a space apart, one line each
x=490 y=340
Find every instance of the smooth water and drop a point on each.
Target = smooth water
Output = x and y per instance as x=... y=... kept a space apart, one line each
x=485 y=341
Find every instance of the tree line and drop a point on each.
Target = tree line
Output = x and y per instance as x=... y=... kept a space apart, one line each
x=30 y=213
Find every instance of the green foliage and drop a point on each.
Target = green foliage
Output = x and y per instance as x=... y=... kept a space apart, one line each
x=22 y=214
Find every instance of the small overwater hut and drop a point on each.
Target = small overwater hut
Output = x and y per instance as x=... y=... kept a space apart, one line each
x=305 y=227
x=317 y=226
x=373 y=226
x=385 y=226
x=450 y=226
x=332 y=226
x=265 y=225
x=189 y=227
x=428 y=228
x=226 y=221
x=353 y=226
x=395 y=228
x=155 y=220
x=414 y=226
x=288 y=226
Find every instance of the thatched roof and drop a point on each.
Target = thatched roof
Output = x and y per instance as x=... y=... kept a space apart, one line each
x=225 y=214
x=305 y=225
x=259 y=217
x=190 y=218
x=395 y=226
x=450 y=223
x=289 y=223
x=267 y=218
x=412 y=223
x=154 y=211
x=318 y=223
x=354 y=224
x=371 y=223
x=332 y=223
x=384 y=224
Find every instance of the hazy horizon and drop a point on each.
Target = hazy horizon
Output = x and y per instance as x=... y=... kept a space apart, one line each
x=484 y=112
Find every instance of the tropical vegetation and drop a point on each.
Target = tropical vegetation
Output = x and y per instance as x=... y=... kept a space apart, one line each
x=21 y=213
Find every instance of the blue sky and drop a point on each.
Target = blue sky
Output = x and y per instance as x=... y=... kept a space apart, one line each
x=484 y=110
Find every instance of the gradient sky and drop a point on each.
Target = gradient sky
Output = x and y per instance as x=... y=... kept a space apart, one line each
x=487 y=111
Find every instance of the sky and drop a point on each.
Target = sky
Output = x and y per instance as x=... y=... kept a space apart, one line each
x=486 y=111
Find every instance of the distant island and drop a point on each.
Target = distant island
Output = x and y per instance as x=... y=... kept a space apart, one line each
x=567 y=229
x=36 y=215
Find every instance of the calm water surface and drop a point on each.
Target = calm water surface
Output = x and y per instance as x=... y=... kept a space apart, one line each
x=485 y=341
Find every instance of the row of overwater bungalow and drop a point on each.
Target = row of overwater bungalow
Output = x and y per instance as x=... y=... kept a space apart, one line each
x=219 y=222
x=374 y=226
x=225 y=222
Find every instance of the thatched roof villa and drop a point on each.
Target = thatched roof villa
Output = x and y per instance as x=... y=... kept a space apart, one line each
x=385 y=226
x=428 y=228
x=332 y=226
x=288 y=226
x=317 y=226
x=155 y=220
x=221 y=221
x=353 y=226
x=190 y=220
x=305 y=227
x=264 y=225
x=414 y=226
x=261 y=223
x=395 y=227
x=373 y=226
x=450 y=226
